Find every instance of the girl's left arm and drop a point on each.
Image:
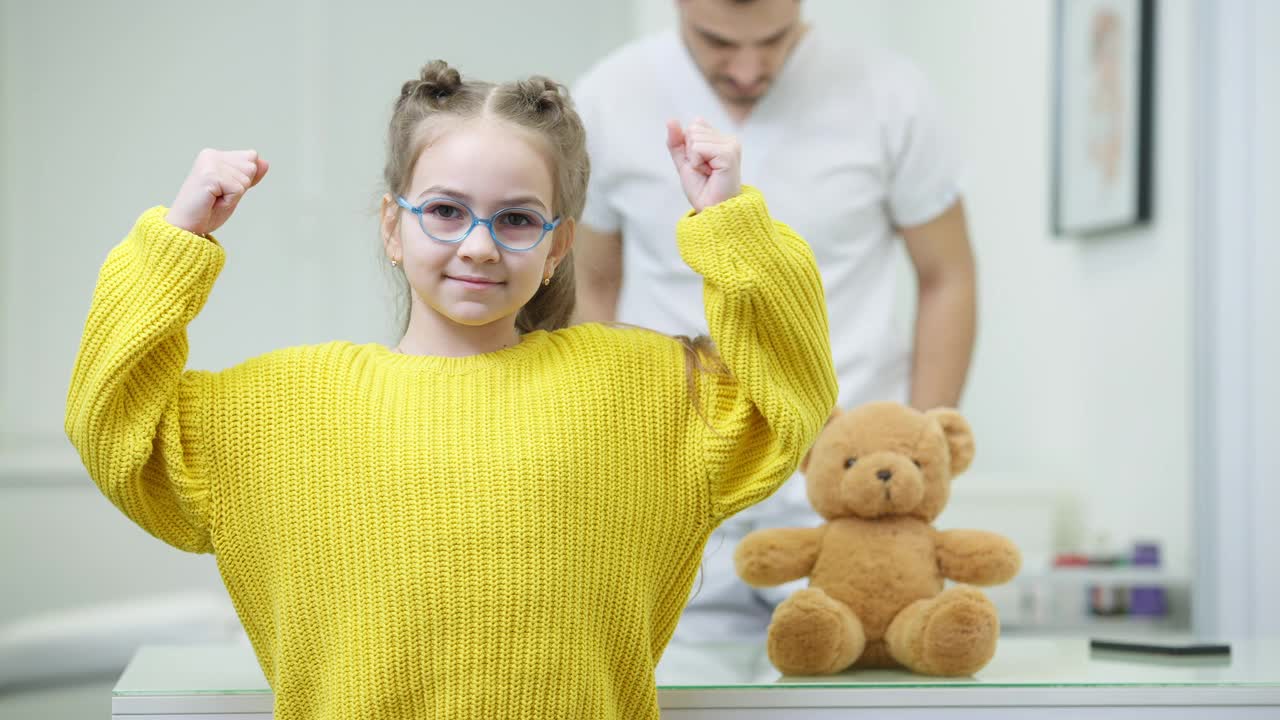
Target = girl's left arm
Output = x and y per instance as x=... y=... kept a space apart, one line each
x=767 y=315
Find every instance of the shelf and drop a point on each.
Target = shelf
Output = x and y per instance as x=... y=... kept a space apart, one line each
x=1101 y=575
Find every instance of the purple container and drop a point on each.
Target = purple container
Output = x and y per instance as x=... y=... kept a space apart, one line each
x=1147 y=553
x=1149 y=601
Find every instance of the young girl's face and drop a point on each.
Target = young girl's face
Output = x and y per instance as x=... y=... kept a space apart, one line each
x=485 y=166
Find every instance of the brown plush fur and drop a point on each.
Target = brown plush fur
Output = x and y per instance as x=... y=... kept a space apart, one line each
x=880 y=474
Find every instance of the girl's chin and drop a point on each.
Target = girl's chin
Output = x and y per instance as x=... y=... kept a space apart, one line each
x=472 y=315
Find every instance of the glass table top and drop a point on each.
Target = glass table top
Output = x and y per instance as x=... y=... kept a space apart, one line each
x=1020 y=662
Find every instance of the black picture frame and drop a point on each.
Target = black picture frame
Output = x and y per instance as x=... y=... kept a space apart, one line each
x=1102 y=115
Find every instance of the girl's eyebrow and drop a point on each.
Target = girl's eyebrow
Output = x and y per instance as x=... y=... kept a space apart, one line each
x=514 y=201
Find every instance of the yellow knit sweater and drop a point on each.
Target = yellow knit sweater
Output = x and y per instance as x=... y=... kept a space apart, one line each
x=507 y=535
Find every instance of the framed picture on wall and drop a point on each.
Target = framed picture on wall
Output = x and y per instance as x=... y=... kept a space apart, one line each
x=1102 y=115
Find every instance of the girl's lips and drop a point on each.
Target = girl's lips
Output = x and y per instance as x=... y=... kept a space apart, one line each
x=478 y=283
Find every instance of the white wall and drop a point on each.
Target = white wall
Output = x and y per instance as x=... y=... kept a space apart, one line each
x=1238 y=339
x=1266 y=189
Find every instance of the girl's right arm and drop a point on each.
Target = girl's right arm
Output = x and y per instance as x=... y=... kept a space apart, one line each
x=132 y=413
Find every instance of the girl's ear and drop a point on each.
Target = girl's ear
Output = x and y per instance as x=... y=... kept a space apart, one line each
x=389 y=221
x=562 y=240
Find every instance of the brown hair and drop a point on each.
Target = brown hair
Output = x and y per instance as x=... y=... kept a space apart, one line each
x=537 y=104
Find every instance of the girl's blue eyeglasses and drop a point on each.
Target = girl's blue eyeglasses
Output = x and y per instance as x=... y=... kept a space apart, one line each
x=450 y=221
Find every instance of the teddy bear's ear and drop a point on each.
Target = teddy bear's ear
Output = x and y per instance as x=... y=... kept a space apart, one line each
x=959 y=437
x=804 y=461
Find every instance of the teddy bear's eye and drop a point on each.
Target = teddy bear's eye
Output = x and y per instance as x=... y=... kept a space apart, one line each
x=850 y=463
x=917 y=462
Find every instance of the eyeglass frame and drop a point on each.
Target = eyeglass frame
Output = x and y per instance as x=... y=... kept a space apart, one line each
x=547 y=226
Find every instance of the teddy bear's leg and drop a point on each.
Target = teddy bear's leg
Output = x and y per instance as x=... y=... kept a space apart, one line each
x=812 y=633
x=953 y=634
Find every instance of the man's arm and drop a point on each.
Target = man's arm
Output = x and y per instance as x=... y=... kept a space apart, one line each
x=598 y=268
x=946 y=311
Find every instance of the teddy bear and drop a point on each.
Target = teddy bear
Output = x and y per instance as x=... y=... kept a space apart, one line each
x=879 y=475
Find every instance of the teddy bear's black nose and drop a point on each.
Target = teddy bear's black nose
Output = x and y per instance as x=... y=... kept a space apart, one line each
x=884 y=475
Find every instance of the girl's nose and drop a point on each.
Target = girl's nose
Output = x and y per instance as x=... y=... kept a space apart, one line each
x=479 y=245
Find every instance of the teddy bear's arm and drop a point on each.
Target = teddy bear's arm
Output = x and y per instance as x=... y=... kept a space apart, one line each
x=771 y=557
x=977 y=557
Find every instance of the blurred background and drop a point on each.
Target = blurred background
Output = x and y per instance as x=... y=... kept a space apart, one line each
x=1122 y=393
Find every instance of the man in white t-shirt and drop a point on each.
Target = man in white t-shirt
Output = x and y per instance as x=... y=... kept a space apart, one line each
x=847 y=147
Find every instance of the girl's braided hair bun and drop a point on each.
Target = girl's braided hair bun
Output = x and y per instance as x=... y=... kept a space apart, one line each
x=542 y=96
x=436 y=83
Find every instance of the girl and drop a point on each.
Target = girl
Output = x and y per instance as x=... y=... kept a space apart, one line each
x=502 y=516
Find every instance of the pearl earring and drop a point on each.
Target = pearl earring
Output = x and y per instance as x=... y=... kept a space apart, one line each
x=394 y=263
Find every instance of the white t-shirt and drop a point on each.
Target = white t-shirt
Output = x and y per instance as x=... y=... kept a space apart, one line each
x=846 y=146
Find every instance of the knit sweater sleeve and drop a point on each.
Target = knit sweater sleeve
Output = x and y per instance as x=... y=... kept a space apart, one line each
x=132 y=412
x=767 y=315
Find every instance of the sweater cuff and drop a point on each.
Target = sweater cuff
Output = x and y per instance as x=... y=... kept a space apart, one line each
x=177 y=253
x=736 y=237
